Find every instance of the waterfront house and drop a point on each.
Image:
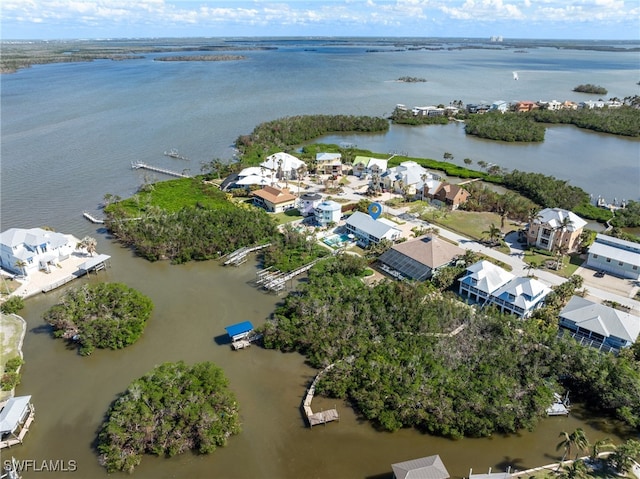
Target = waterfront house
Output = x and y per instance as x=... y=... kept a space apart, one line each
x=419 y=258
x=599 y=326
x=283 y=166
x=615 y=256
x=368 y=230
x=488 y=284
x=254 y=175
x=23 y=251
x=327 y=212
x=329 y=164
x=429 y=111
x=499 y=105
x=430 y=467
x=273 y=199
x=449 y=195
x=307 y=203
x=477 y=108
x=591 y=104
x=525 y=106
x=555 y=228
x=552 y=105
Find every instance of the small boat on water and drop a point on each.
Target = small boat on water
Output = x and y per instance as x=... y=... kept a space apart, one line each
x=560 y=406
x=173 y=153
x=515 y=75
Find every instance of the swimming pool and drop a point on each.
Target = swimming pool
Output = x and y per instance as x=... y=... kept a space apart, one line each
x=336 y=240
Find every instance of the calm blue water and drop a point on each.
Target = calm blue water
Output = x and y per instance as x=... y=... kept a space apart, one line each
x=70 y=131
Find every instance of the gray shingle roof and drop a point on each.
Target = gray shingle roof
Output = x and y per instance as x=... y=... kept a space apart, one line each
x=430 y=467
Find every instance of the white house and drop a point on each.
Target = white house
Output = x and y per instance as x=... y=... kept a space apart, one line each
x=283 y=165
x=499 y=105
x=368 y=230
x=254 y=175
x=409 y=175
x=328 y=212
x=307 y=203
x=616 y=256
x=23 y=251
x=599 y=326
x=486 y=283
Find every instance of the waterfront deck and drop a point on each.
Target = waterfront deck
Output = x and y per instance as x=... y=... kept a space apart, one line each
x=276 y=280
x=321 y=417
x=239 y=256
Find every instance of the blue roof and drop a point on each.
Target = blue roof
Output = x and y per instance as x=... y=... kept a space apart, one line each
x=239 y=328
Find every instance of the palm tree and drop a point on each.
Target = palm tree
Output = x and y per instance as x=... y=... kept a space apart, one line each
x=21 y=265
x=493 y=233
x=598 y=446
x=89 y=244
x=576 y=440
x=530 y=266
x=576 y=470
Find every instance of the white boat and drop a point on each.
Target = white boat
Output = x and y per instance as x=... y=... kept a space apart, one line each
x=515 y=75
x=560 y=406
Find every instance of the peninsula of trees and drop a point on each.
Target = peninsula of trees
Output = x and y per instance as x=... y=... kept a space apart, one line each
x=103 y=315
x=589 y=88
x=171 y=410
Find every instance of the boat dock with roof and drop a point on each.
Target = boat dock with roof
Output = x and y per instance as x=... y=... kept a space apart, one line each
x=242 y=335
x=16 y=416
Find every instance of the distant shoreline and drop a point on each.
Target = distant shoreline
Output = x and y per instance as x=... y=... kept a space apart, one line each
x=200 y=58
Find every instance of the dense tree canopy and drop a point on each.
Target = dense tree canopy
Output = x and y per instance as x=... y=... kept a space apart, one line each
x=171 y=410
x=104 y=315
x=504 y=127
x=545 y=190
x=617 y=121
x=398 y=364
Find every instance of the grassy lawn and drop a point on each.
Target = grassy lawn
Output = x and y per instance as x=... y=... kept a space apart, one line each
x=468 y=223
x=570 y=264
x=11 y=330
x=287 y=216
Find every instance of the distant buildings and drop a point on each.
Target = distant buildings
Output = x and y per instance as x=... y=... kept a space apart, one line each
x=329 y=164
x=274 y=200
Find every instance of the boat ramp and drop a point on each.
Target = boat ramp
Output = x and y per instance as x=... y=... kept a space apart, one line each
x=136 y=165
x=321 y=417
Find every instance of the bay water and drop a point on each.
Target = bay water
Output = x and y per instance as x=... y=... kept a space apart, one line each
x=69 y=134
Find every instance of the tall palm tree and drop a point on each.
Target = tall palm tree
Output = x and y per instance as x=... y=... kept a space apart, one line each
x=89 y=244
x=530 y=266
x=598 y=447
x=21 y=265
x=576 y=440
x=493 y=233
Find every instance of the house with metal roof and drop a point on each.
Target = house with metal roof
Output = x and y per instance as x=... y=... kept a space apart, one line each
x=329 y=163
x=430 y=467
x=283 y=165
x=615 y=256
x=327 y=212
x=599 y=326
x=555 y=228
x=417 y=259
x=486 y=283
x=15 y=419
x=363 y=165
x=274 y=200
x=23 y=251
x=368 y=230
x=408 y=176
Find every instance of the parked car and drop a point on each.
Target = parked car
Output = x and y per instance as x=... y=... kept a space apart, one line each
x=599 y=274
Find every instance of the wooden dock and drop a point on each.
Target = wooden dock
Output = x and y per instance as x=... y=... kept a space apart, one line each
x=321 y=417
x=239 y=256
x=276 y=280
x=140 y=165
x=246 y=342
x=92 y=218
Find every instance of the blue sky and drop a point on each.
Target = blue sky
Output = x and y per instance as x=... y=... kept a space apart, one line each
x=553 y=19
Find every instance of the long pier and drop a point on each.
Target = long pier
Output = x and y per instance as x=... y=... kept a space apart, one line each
x=92 y=218
x=321 y=417
x=239 y=256
x=140 y=165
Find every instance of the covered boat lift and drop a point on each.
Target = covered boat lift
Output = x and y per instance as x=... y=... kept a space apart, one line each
x=15 y=418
